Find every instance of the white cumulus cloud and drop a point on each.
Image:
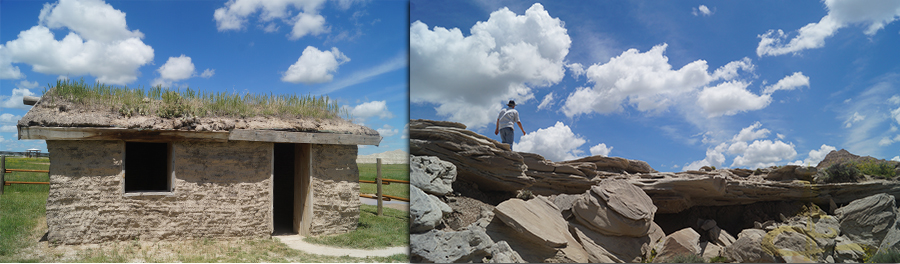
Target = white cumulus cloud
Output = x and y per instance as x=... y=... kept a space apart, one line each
x=752 y=150
x=9 y=118
x=15 y=99
x=788 y=83
x=556 y=143
x=729 y=98
x=98 y=44
x=601 y=149
x=815 y=156
x=175 y=69
x=308 y=21
x=208 y=73
x=841 y=13
x=502 y=58
x=702 y=10
x=387 y=131
x=371 y=109
x=765 y=153
x=315 y=66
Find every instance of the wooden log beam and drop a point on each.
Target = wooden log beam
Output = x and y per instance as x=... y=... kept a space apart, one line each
x=110 y=133
x=372 y=196
x=303 y=137
x=392 y=180
x=365 y=181
x=396 y=197
x=30 y=100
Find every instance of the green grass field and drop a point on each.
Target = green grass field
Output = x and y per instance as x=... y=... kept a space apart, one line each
x=388 y=171
x=389 y=230
x=22 y=205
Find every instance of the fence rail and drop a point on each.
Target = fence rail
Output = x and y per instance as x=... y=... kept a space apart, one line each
x=378 y=182
x=4 y=171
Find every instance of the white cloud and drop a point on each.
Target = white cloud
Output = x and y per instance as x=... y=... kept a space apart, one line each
x=702 y=10
x=174 y=70
x=751 y=132
x=98 y=44
x=896 y=115
x=885 y=141
x=8 y=128
x=896 y=158
x=387 y=131
x=765 y=153
x=729 y=98
x=556 y=143
x=405 y=134
x=788 y=83
x=502 y=59
x=758 y=153
x=576 y=68
x=208 y=73
x=730 y=70
x=856 y=117
x=841 y=13
x=233 y=16
x=894 y=99
x=779 y=135
x=367 y=110
x=547 y=102
x=815 y=156
x=9 y=118
x=15 y=99
x=601 y=149
x=315 y=66
x=646 y=80
x=308 y=24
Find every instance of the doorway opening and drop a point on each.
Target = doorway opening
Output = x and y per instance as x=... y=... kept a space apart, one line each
x=283 y=190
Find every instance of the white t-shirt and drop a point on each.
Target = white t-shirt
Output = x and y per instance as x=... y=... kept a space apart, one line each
x=508 y=118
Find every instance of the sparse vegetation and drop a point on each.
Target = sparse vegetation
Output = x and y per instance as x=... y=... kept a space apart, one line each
x=841 y=172
x=876 y=168
x=524 y=194
x=688 y=258
x=166 y=103
x=887 y=256
x=719 y=259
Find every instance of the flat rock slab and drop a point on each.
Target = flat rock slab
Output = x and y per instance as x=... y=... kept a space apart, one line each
x=535 y=219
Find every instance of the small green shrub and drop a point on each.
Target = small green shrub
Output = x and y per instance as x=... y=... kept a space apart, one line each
x=887 y=256
x=689 y=258
x=719 y=259
x=876 y=168
x=841 y=172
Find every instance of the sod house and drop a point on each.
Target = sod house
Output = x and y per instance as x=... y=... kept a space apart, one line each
x=121 y=177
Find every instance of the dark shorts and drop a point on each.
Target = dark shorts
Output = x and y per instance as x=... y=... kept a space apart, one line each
x=507 y=135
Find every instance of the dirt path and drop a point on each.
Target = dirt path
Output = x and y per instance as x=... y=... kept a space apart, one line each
x=296 y=242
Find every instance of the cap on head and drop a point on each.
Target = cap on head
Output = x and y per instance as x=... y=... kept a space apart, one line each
x=511 y=103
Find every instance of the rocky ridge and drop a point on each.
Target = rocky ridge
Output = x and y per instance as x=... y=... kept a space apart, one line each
x=597 y=203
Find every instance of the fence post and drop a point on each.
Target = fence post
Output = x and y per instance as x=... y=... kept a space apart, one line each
x=378 y=182
x=2 y=173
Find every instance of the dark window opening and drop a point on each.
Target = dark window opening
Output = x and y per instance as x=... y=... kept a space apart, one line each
x=146 y=167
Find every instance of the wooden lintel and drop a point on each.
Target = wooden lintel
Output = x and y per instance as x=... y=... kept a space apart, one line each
x=303 y=137
x=148 y=135
x=103 y=133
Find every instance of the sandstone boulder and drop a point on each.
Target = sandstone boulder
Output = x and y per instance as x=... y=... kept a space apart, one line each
x=424 y=214
x=868 y=220
x=478 y=159
x=847 y=251
x=616 y=208
x=607 y=249
x=431 y=174
x=683 y=242
x=438 y=246
x=502 y=253
x=792 y=172
x=748 y=248
x=535 y=219
x=792 y=245
x=615 y=164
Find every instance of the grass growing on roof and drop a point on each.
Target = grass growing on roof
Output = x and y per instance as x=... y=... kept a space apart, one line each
x=167 y=103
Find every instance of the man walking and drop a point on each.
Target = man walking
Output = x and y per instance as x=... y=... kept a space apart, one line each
x=505 y=122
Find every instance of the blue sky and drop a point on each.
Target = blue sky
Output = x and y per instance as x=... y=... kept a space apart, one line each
x=353 y=51
x=679 y=84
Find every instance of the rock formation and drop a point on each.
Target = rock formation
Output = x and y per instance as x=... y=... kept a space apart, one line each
x=606 y=209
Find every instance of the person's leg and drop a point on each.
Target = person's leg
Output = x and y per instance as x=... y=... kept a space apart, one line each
x=507 y=136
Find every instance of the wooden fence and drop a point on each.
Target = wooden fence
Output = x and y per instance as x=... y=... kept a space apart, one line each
x=379 y=182
x=4 y=171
